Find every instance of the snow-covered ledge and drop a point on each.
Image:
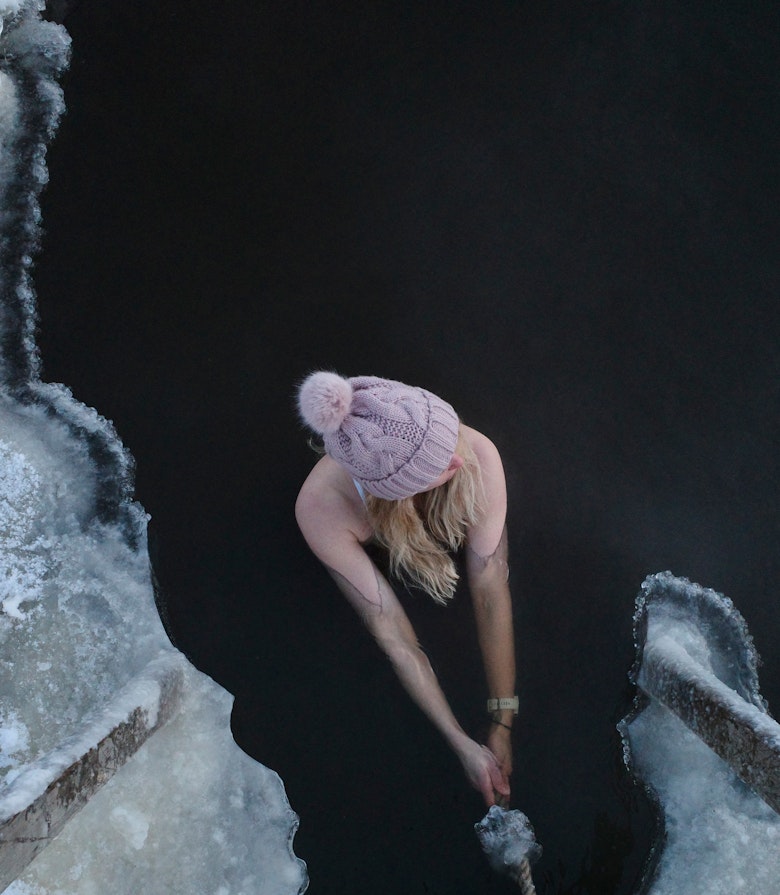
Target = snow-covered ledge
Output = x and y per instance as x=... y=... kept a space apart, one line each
x=48 y=792
x=745 y=737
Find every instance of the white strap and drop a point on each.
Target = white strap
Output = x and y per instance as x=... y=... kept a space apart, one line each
x=504 y=702
x=360 y=490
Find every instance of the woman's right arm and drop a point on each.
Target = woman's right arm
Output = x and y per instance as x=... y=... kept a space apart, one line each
x=325 y=522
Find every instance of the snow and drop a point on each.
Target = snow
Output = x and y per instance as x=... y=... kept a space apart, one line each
x=720 y=836
x=78 y=617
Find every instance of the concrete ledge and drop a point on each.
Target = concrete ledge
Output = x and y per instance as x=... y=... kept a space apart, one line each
x=36 y=805
x=745 y=737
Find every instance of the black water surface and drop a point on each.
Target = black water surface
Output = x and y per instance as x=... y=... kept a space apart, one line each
x=563 y=218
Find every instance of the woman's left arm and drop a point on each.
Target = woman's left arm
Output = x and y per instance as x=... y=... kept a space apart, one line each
x=488 y=572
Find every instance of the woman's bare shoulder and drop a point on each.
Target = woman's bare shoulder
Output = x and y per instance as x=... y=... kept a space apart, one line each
x=486 y=452
x=485 y=536
x=328 y=504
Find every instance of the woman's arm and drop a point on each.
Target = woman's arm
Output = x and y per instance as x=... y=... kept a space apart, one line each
x=390 y=626
x=488 y=572
x=493 y=616
x=323 y=525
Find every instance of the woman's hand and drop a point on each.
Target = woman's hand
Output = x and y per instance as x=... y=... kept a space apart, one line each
x=484 y=772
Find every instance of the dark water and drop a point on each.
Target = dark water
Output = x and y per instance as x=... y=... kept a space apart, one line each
x=564 y=219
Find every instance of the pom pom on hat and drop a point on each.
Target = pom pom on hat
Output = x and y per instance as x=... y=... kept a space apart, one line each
x=324 y=400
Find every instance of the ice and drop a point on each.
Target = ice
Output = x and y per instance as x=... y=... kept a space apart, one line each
x=14 y=741
x=189 y=813
x=509 y=842
x=150 y=691
x=77 y=628
x=9 y=8
x=78 y=617
x=131 y=824
x=82 y=648
x=9 y=112
x=720 y=837
x=32 y=54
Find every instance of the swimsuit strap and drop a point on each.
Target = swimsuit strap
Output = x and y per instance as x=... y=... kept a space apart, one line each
x=360 y=490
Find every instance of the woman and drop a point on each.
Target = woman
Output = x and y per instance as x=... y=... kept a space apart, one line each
x=401 y=469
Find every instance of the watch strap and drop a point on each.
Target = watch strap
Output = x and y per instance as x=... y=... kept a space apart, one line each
x=504 y=702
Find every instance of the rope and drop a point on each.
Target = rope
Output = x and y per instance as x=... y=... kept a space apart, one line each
x=522 y=876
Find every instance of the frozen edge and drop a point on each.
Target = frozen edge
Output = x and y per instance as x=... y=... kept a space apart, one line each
x=664 y=586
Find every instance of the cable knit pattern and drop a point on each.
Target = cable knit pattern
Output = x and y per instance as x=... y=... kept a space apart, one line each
x=395 y=439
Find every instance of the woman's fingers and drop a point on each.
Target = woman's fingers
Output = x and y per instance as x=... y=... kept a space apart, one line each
x=497 y=789
x=499 y=781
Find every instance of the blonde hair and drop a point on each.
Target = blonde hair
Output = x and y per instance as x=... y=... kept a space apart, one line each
x=420 y=532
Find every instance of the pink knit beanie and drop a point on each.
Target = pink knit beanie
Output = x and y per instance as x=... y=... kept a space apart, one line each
x=394 y=439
